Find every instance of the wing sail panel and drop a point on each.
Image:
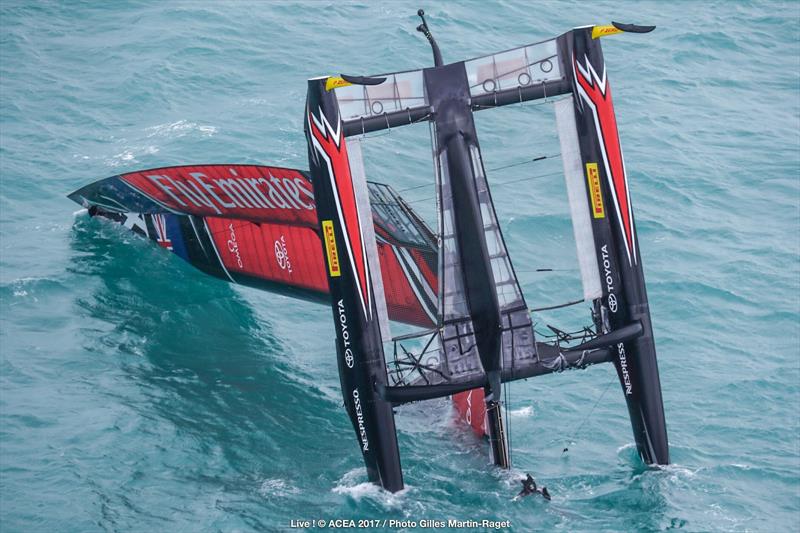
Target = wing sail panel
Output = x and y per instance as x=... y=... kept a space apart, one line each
x=250 y=192
x=278 y=254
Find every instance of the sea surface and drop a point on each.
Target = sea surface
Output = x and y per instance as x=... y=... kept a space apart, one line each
x=137 y=394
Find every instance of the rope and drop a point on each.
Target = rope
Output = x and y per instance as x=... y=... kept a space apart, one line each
x=534 y=160
x=495 y=185
x=546 y=269
x=575 y=433
x=559 y=306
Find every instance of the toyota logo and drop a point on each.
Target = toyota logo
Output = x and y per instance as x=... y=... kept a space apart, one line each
x=612 y=302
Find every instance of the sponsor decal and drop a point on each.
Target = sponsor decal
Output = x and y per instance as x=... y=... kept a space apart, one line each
x=612 y=302
x=602 y=31
x=334 y=82
x=623 y=365
x=233 y=246
x=469 y=408
x=593 y=177
x=282 y=255
x=198 y=191
x=607 y=269
x=348 y=353
x=362 y=430
x=329 y=237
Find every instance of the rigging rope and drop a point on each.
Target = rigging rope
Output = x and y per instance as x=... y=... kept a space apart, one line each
x=559 y=306
x=519 y=163
x=546 y=269
x=495 y=185
x=580 y=426
x=535 y=159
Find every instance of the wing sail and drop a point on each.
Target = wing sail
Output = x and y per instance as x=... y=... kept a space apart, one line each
x=251 y=192
x=279 y=250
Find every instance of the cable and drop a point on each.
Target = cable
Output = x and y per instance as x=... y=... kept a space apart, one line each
x=534 y=160
x=546 y=269
x=575 y=433
x=559 y=306
x=494 y=185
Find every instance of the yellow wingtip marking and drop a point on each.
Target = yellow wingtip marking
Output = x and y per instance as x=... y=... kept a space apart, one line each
x=334 y=82
x=602 y=31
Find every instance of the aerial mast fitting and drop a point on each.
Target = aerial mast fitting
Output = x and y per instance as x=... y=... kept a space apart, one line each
x=423 y=28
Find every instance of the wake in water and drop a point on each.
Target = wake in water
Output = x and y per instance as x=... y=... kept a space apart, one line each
x=353 y=485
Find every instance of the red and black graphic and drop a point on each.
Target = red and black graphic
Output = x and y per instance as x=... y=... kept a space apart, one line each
x=595 y=91
x=287 y=259
x=329 y=146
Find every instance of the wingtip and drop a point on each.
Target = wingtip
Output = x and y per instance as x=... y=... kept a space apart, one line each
x=632 y=28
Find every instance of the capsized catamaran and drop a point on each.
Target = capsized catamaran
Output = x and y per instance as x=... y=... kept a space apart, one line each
x=329 y=235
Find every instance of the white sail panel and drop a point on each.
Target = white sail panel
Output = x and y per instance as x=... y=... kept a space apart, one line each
x=578 y=202
x=356 y=160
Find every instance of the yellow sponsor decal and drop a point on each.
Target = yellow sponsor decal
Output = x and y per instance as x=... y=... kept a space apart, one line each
x=602 y=31
x=334 y=82
x=593 y=177
x=330 y=248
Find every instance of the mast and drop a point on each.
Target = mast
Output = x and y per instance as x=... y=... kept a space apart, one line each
x=457 y=149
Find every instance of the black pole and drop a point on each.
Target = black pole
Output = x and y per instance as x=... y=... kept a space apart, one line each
x=423 y=28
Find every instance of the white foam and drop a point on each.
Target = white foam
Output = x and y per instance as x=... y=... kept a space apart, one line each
x=350 y=486
x=522 y=412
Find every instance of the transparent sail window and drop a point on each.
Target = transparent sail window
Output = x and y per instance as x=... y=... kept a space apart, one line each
x=512 y=69
x=400 y=91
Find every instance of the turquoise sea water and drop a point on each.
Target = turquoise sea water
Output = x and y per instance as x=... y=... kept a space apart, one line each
x=138 y=395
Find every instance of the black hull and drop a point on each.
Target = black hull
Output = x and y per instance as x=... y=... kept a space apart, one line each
x=624 y=298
